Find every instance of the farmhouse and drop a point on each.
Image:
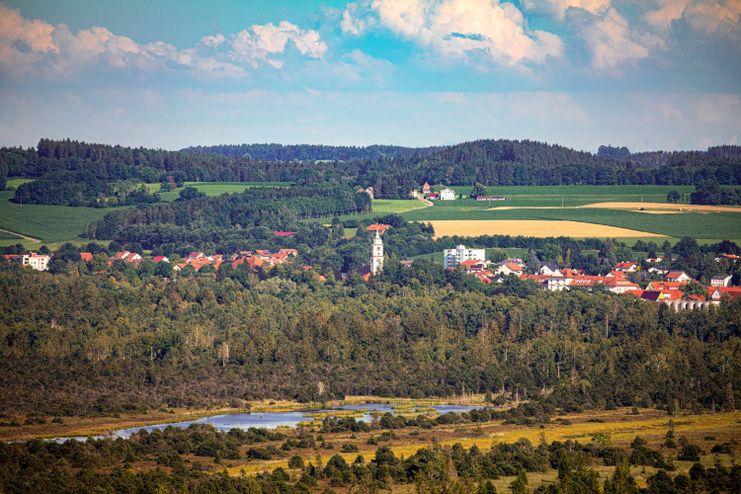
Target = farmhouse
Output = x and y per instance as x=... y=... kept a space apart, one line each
x=447 y=194
x=453 y=257
x=508 y=268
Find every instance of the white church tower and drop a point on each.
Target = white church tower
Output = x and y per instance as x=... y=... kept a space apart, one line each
x=376 y=260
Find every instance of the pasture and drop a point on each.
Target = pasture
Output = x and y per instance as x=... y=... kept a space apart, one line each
x=213 y=188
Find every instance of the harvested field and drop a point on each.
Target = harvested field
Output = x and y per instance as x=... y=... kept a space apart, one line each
x=664 y=206
x=531 y=228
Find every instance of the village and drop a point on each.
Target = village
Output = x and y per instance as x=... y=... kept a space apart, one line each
x=674 y=288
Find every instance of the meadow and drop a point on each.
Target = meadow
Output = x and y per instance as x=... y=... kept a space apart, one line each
x=213 y=188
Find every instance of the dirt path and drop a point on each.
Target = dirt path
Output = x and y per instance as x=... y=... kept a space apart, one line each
x=24 y=237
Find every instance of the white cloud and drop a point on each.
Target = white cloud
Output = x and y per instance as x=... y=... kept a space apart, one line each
x=494 y=30
x=611 y=42
x=36 y=46
x=558 y=8
x=706 y=16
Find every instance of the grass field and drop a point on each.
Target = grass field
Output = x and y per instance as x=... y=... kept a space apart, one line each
x=620 y=425
x=214 y=188
x=47 y=223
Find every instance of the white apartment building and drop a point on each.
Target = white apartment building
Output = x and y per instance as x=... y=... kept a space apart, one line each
x=35 y=261
x=453 y=257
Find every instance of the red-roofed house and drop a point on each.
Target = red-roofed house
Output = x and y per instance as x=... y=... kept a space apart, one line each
x=284 y=234
x=626 y=267
x=678 y=276
x=666 y=285
x=160 y=259
x=718 y=292
x=86 y=256
x=509 y=268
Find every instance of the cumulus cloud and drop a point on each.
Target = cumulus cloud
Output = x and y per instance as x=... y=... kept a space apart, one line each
x=702 y=15
x=611 y=41
x=36 y=46
x=558 y=8
x=458 y=28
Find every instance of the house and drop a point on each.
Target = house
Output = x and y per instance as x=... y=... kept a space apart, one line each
x=288 y=252
x=196 y=255
x=159 y=259
x=557 y=283
x=371 y=192
x=433 y=196
x=654 y=260
x=39 y=262
x=86 y=256
x=666 y=285
x=626 y=267
x=550 y=269
x=426 y=189
x=720 y=280
x=127 y=256
x=490 y=198
x=509 y=268
x=284 y=234
x=659 y=271
x=453 y=257
x=619 y=285
x=447 y=194
x=678 y=276
x=718 y=292
x=471 y=266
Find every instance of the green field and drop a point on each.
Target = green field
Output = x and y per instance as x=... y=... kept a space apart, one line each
x=214 y=188
x=573 y=195
x=47 y=223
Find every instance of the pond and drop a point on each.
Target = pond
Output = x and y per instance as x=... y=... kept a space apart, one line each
x=271 y=420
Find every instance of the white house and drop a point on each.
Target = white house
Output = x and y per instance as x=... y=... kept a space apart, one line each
x=509 y=268
x=35 y=261
x=453 y=257
x=720 y=280
x=447 y=194
x=678 y=276
x=550 y=269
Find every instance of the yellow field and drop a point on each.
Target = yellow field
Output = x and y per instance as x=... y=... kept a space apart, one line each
x=664 y=206
x=532 y=228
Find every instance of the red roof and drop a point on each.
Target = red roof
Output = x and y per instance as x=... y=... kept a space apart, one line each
x=159 y=258
x=284 y=234
x=86 y=256
x=378 y=227
x=675 y=274
x=514 y=267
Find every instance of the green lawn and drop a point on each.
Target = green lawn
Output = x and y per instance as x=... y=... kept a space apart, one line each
x=214 y=188
x=15 y=182
x=397 y=206
x=48 y=223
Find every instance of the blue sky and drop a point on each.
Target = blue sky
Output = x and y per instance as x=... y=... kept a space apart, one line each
x=649 y=74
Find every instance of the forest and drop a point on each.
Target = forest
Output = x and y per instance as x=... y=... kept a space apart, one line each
x=128 y=340
x=393 y=172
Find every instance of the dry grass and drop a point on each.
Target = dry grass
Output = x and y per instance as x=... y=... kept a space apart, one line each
x=532 y=228
x=664 y=206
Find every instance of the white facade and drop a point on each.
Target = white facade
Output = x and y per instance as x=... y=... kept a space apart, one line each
x=376 y=260
x=35 y=261
x=720 y=281
x=453 y=257
x=447 y=194
x=550 y=270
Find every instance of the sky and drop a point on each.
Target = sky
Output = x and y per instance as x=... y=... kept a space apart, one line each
x=647 y=74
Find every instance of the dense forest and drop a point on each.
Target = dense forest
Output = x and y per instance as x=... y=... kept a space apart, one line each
x=393 y=172
x=305 y=152
x=128 y=340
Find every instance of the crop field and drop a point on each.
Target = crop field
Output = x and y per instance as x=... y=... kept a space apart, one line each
x=388 y=206
x=531 y=228
x=47 y=223
x=641 y=211
x=214 y=188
